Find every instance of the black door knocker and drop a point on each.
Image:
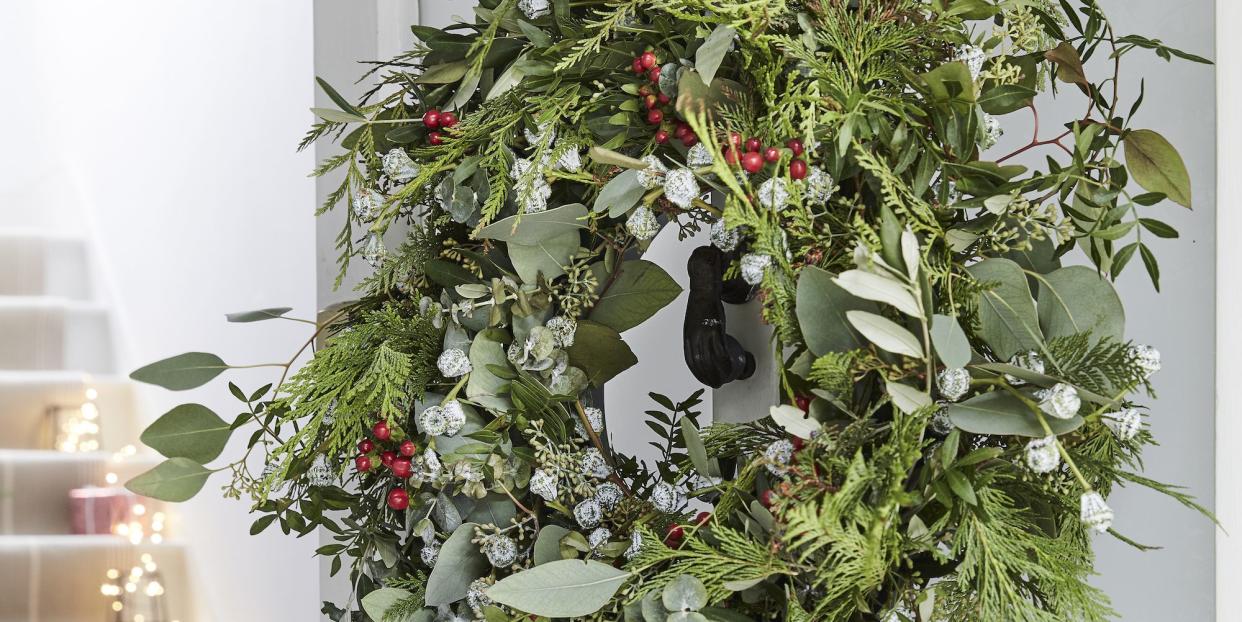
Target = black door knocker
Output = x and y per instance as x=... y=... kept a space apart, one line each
x=714 y=357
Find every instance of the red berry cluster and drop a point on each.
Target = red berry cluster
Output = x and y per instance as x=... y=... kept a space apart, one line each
x=754 y=156
x=435 y=120
x=675 y=533
x=397 y=462
x=658 y=105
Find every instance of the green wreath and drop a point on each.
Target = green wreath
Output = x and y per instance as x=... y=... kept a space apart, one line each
x=954 y=404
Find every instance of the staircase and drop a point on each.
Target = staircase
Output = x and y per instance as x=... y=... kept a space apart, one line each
x=58 y=366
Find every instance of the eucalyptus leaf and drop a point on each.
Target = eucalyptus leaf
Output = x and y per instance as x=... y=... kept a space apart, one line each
x=459 y=564
x=181 y=372
x=1076 y=300
x=708 y=57
x=560 y=589
x=906 y=398
x=607 y=156
x=880 y=288
x=821 y=308
x=175 y=479
x=533 y=228
x=257 y=315
x=548 y=544
x=1008 y=320
x=378 y=602
x=794 y=421
x=547 y=257
x=885 y=333
x=950 y=341
x=484 y=386
x=599 y=351
x=1001 y=413
x=684 y=593
x=620 y=194
x=188 y=431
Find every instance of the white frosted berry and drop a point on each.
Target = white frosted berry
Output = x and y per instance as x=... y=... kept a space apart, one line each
x=1147 y=358
x=429 y=554
x=588 y=513
x=431 y=466
x=699 y=156
x=778 y=454
x=544 y=484
x=476 y=595
x=642 y=223
x=818 y=186
x=366 y=203
x=595 y=416
x=563 y=329
x=374 y=251
x=500 y=550
x=454 y=363
x=973 y=56
x=320 y=474
x=599 y=537
x=940 y=422
x=992 y=131
x=519 y=168
x=753 y=266
x=1030 y=361
x=953 y=383
x=594 y=465
x=724 y=238
x=398 y=166
x=636 y=544
x=653 y=176
x=544 y=131
x=774 y=193
x=570 y=160
x=432 y=422
x=1094 y=512
x=681 y=188
x=1125 y=424
x=1061 y=401
x=1042 y=455
x=534 y=198
x=667 y=498
x=608 y=495
x=454 y=417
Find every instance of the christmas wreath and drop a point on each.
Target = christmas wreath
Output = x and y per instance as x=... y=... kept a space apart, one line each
x=955 y=405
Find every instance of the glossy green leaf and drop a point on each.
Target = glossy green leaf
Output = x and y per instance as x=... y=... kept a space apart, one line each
x=640 y=290
x=1006 y=98
x=181 y=372
x=175 y=480
x=188 y=431
x=1157 y=166
x=561 y=589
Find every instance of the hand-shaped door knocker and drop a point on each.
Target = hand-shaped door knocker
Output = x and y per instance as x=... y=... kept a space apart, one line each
x=714 y=357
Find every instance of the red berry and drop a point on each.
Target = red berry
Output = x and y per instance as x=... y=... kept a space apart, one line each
x=730 y=156
x=637 y=65
x=663 y=98
x=797 y=169
x=803 y=403
x=681 y=130
x=702 y=518
x=767 y=498
x=795 y=146
x=435 y=138
x=655 y=117
x=674 y=535
x=431 y=119
x=402 y=467
x=362 y=463
x=752 y=162
x=381 y=431
x=387 y=457
x=648 y=59
x=661 y=137
x=398 y=499
x=644 y=90
x=653 y=74
x=651 y=101
x=408 y=448
x=735 y=139
x=753 y=144
x=771 y=154
x=366 y=446
x=448 y=119
x=690 y=139
x=798 y=442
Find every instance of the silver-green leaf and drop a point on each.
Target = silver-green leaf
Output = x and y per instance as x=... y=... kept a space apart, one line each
x=561 y=589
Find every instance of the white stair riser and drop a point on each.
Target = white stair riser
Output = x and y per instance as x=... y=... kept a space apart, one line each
x=34 y=488
x=55 y=338
x=26 y=398
x=58 y=580
x=43 y=266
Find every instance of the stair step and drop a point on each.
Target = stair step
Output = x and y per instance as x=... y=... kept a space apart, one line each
x=53 y=333
x=35 y=485
x=27 y=397
x=37 y=263
x=58 y=578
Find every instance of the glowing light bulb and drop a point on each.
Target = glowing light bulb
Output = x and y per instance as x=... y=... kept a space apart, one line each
x=113 y=573
x=92 y=394
x=89 y=411
x=117 y=606
x=110 y=478
x=138 y=509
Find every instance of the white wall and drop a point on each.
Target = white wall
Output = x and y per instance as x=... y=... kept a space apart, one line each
x=1228 y=331
x=177 y=123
